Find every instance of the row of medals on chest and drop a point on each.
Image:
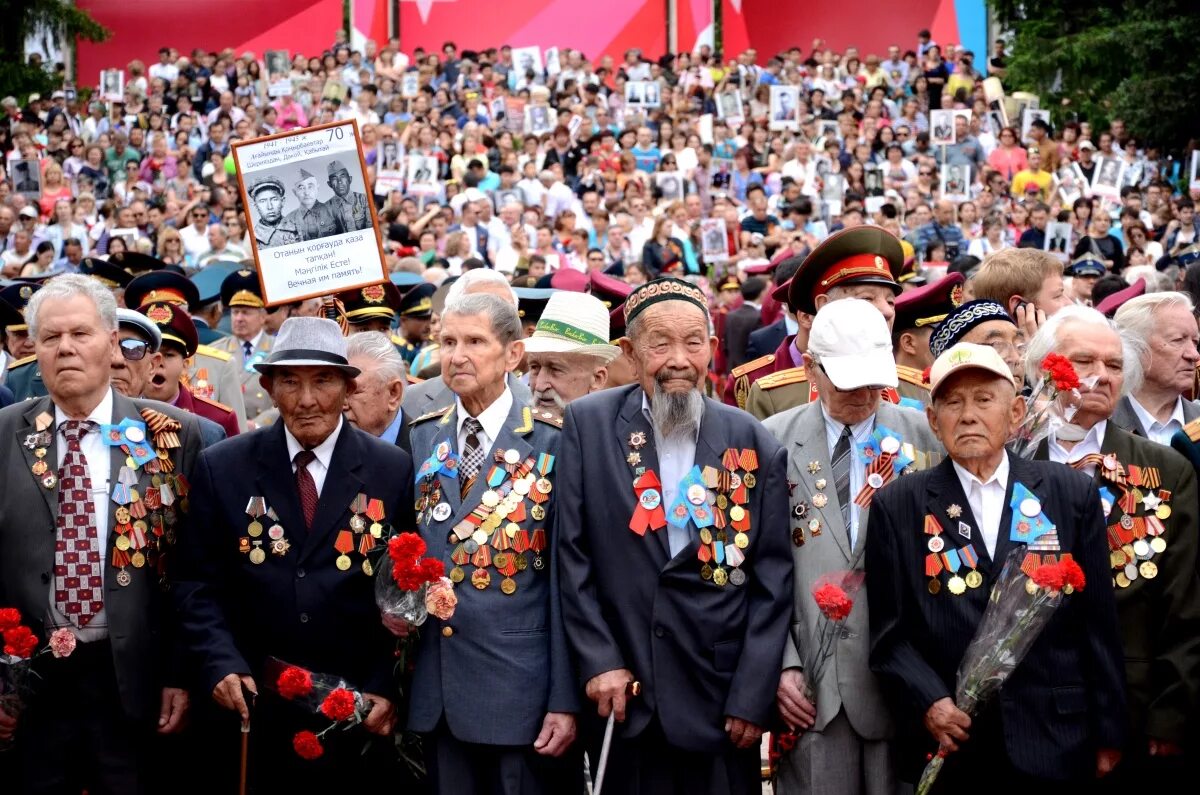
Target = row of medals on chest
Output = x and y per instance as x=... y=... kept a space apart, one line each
x=366 y=525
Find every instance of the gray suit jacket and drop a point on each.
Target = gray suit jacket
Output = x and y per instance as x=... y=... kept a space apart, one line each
x=845 y=681
x=1127 y=418
x=431 y=395
x=138 y=614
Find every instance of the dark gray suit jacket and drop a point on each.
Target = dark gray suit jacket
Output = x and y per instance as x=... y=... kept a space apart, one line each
x=138 y=614
x=431 y=395
x=738 y=326
x=1127 y=418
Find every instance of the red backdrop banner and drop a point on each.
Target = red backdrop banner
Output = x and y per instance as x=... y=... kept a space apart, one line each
x=140 y=28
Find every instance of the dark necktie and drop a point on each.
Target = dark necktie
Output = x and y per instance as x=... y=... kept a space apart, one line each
x=841 y=476
x=306 y=486
x=472 y=454
x=78 y=588
x=247 y=350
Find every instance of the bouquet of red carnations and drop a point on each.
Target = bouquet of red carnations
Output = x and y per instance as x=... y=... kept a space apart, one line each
x=1022 y=602
x=320 y=694
x=20 y=650
x=413 y=586
x=1051 y=405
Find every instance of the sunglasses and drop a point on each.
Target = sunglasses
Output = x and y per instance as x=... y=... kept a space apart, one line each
x=134 y=350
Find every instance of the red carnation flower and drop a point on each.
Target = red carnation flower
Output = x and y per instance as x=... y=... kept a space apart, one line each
x=9 y=618
x=432 y=569
x=1072 y=574
x=20 y=642
x=406 y=547
x=338 y=705
x=1061 y=371
x=833 y=602
x=307 y=745
x=1049 y=576
x=294 y=682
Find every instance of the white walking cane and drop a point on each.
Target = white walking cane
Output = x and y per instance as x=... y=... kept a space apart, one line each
x=633 y=689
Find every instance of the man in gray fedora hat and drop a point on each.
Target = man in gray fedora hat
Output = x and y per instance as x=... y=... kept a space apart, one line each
x=352 y=206
x=279 y=559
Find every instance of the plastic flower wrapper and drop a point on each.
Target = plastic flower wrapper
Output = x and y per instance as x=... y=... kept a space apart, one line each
x=1052 y=404
x=1021 y=604
x=20 y=649
x=403 y=578
x=318 y=694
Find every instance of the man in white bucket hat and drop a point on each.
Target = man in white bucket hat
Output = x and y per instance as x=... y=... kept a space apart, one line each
x=569 y=351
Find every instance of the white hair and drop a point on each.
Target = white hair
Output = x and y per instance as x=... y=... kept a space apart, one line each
x=378 y=347
x=474 y=278
x=503 y=317
x=68 y=286
x=1045 y=341
x=1138 y=315
x=1156 y=282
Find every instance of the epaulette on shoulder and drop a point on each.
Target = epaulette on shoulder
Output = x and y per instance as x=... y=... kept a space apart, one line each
x=212 y=402
x=912 y=375
x=792 y=375
x=22 y=362
x=215 y=353
x=1192 y=429
x=761 y=361
x=436 y=413
x=397 y=340
x=548 y=417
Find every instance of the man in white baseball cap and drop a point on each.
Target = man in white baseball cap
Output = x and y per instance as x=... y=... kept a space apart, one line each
x=569 y=350
x=850 y=348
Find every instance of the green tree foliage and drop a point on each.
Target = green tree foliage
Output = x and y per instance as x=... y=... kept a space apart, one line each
x=19 y=18
x=1096 y=61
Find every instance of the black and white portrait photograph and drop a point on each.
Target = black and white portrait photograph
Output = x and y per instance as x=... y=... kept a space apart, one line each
x=1108 y=176
x=500 y=198
x=423 y=175
x=1028 y=116
x=729 y=106
x=526 y=60
x=956 y=182
x=112 y=85
x=651 y=97
x=539 y=119
x=1194 y=171
x=714 y=240
x=26 y=178
x=277 y=63
x=941 y=127
x=670 y=185
x=391 y=156
x=635 y=93
x=1058 y=239
x=553 y=66
x=785 y=108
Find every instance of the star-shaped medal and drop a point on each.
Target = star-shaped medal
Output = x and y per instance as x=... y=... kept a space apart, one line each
x=637 y=440
x=954 y=511
x=634 y=459
x=1151 y=501
x=791 y=487
x=814 y=467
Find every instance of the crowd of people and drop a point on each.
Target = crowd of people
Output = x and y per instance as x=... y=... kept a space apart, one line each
x=648 y=326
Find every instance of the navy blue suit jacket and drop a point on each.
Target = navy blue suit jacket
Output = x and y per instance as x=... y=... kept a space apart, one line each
x=765 y=340
x=701 y=651
x=1067 y=697
x=6 y=397
x=505 y=665
x=298 y=607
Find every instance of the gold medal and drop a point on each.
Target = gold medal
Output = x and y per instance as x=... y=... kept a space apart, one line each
x=819 y=500
x=367 y=568
x=122 y=543
x=138 y=560
x=501 y=560
x=1163 y=512
x=511 y=529
x=935 y=586
x=481 y=579
x=280 y=546
x=706 y=536
x=376 y=530
x=1148 y=569
x=491 y=499
x=957 y=585
x=722 y=501
x=737 y=513
x=1116 y=559
x=706 y=572
x=40 y=467
x=1031 y=587
x=544 y=485
x=480 y=537
x=1122 y=580
x=343 y=562
x=521 y=562
x=509 y=586
x=974 y=579
x=1158 y=545
x=720 y=577
x=457 y=575
x=255 y=529
x=538 y=513
x=257 y=556
x=741 y=540
x=750 y=480
x=122 y=515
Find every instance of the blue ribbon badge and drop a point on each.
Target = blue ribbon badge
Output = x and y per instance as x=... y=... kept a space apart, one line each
x=691 y=502
x=1029 y=523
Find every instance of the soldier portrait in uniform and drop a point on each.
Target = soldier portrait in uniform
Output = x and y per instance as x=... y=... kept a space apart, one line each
x=353 y=206
x=270 y=228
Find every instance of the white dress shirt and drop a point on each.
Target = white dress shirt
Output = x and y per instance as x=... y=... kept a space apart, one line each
x=676 y=457
x=1156 y=431
x=98 y=468
x=1090 y=443
x=859 y=434
x=492 y=419
x=986 y=500
x=324 y=453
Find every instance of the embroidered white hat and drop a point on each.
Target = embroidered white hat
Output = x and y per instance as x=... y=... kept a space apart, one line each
x=308 y=342
x=851 y=342
x=573 y=323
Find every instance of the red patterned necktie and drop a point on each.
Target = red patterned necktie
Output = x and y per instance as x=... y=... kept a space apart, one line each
x=306 y=486
x=78 y=587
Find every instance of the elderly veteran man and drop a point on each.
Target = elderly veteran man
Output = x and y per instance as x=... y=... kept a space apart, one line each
x=374 y=405
x=983 y=322
x=569 y=351
x=313 y=219
x=487 y=498
x=1165 y=327
x=936 y=542
x=692 y=597
x=842 y=447
x=1149 y=497
x=918 y=311
x=74 y=557
x=270 y=227
x=277 y=563
x=855 y=263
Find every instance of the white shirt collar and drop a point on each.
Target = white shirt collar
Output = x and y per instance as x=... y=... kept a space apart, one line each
x=1148 y=420
x=1092 y=441
x=492 y=418
x=833 y=428
x=323 y=451
x=101 y=415
x=254 y=341
x=999 y=477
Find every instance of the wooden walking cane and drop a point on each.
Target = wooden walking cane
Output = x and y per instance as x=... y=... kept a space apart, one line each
x=245 y=757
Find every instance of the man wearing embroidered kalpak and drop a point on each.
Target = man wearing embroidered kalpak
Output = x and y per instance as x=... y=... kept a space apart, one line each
x=492 y=690
x=569 y=352
x=936 y=543
x=1148 y=493
x=288 y=522
x=1165 y=325
x=843 y=448
x=861 y=262
x=918 y=311
x=83 y=539
x=692 y=597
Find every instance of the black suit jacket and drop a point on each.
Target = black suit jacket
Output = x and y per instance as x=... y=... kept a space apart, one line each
x=139 y=615
x=701 y=651
x=1067 y=697
x=298 y=607
x=6 y=397
x=738 y=327
x=765 y=340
